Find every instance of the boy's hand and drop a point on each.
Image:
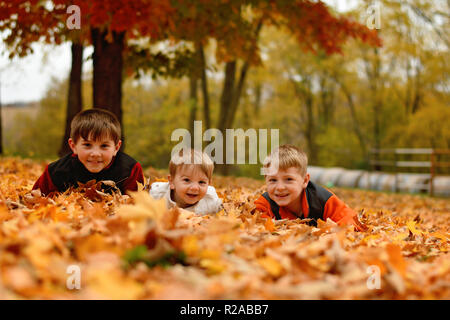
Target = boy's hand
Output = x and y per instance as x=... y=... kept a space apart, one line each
x=33 y=197
x=36 y=197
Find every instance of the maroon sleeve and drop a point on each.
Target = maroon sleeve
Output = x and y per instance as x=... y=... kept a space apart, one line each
x=136 y=176
x=45 y=183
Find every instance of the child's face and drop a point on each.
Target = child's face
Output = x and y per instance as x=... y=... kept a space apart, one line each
x=95 y=155
x=286 y=186
x=190 y=184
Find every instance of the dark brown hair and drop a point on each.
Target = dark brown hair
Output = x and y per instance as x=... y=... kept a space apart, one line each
x=95 y=124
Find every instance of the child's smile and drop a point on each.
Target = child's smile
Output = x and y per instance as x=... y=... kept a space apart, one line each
x=95 y=165
x=95 y=155
x=285 y=188
x=192 y=195
x=189 y=185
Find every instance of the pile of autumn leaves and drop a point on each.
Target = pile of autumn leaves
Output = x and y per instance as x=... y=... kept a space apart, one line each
x=134 y=248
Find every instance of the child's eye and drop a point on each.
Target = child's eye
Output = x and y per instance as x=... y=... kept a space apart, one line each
x=86 y=144
x=272 y=180
x=202 y=182
x=105 y=146
x=186 y=180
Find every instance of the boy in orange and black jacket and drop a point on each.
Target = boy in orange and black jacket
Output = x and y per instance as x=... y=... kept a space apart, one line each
x=291 y=195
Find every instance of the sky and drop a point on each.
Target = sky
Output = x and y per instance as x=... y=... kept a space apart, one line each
x=28 y=79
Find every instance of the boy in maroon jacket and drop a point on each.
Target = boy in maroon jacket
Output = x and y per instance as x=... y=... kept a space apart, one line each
x=95 y=143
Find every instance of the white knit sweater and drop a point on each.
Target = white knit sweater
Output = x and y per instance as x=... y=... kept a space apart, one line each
x=209 y=204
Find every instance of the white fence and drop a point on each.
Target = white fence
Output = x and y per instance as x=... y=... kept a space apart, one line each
x=407 y=182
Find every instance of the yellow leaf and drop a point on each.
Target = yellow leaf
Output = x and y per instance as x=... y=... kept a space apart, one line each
x=140 y=186
x=272 y=266
x=213 y=266
x=439 y=236
x=190 y=245
x=145 y=207
x=401 y=236
x=412 y=227
x=93 y=244
x=370 y=237
x=210 y=254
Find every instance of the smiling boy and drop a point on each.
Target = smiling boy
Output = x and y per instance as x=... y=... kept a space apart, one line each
x=190 y=174
x=95 y=143
x=291 y=195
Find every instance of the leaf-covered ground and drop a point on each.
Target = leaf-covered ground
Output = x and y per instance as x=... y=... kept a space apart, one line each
x=137 y=249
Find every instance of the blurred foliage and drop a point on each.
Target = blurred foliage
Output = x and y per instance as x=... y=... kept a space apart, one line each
x=38 y=136
x=335 y=107
x=150 y=116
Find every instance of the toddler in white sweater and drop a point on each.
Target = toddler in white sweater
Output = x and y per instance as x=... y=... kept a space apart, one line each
x=190 y=174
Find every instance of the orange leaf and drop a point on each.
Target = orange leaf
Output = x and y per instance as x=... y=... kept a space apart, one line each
x=269 y=225
x=396 y=258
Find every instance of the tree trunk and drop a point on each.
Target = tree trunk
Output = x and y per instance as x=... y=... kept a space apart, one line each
x=258 y=97
x=226 y=101
x=229 y=101
x=193 y=102
x=237 y=93
x=372 y=70
x=356 y=127
x=108 y=65
x=74 y=97
x=305 y=95
x=327 y=94
x=310 y=129
x=227 y=94
x=417 y=95
x=231 y=94
x=204 y=83
x=376 y=86
x=199 y=73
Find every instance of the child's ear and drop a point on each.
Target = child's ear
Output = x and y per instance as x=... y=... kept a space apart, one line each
x=306 y=180
x=71 y=144
x=119 y=143
x=172 y=186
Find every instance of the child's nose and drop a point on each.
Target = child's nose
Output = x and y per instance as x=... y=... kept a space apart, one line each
x=95 y=152
x=280 y=186
x=195 y=186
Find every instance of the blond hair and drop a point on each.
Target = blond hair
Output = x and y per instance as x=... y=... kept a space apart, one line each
x=287 y=156
x=191 y=157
